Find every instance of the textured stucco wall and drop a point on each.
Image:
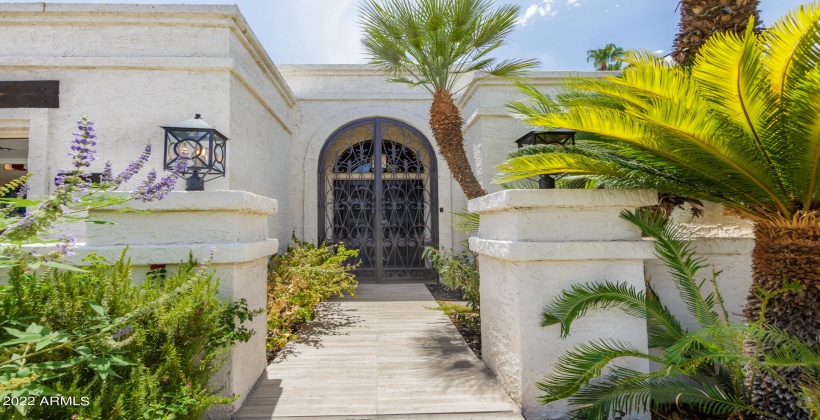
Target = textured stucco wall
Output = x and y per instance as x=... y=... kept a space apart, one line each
x=133 y=68
x=529 y=254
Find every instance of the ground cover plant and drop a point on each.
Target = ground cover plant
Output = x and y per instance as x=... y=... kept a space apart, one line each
x=298 y=281
x=704 y=374
x=740 y=127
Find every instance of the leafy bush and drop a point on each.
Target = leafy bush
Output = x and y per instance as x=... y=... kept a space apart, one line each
x=457 y=272
x=121 y=350
x=299 y=280
x=707 y=373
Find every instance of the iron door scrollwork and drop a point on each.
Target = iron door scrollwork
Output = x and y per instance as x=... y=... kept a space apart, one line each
x=378 y=195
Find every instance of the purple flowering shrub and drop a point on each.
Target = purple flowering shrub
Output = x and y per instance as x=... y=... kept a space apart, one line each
x=73 y=196
x=129 y=349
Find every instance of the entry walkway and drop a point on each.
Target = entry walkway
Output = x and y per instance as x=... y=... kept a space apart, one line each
x=379 y=355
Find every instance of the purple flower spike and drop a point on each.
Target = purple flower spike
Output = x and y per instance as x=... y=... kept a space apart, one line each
x=81 y=146
x=134 y=166
x=122 y=332
x=68 y=245
x=107 y=173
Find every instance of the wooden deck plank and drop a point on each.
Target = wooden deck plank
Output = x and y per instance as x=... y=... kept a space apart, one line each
x=381 y=355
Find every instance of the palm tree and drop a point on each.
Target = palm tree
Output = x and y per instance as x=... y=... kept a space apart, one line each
x=701 y=18
x=741 y=128
x=431 y=43
x=606 y=58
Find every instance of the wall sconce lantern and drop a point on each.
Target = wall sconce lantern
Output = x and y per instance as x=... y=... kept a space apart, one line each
x=560 y=136
x=204 y=146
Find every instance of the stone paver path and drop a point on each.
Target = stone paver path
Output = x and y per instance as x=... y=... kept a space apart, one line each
x=379 y=355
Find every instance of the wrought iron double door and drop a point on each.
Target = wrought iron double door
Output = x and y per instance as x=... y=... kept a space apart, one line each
x=386 y=211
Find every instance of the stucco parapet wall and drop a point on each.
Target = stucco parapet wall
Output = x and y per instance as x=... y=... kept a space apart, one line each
x=203 y=201
x=201 y=16
x=536 y=78
x=346 y=82
x=530 y=199
x=563 y=251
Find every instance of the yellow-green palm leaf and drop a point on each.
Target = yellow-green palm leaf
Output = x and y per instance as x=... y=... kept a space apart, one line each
x=741 y=127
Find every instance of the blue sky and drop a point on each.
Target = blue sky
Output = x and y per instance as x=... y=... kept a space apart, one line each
x=557 y=32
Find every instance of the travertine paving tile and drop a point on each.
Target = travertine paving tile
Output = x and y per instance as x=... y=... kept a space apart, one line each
x=382 y=355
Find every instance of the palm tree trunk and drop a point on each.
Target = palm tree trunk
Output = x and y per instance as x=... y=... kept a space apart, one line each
x=446 y=122
x=699 y=19
x=786 y=252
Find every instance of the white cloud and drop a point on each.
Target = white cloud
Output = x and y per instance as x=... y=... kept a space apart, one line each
x=659 y=52
x=545 y=8
x=573 y=3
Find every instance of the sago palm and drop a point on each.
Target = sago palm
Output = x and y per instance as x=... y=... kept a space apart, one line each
x=741 y=128
x=701 y=374
x=431 y=43
x=606 y=58
x=699 y=19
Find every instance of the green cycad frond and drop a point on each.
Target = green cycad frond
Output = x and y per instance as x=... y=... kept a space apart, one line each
x=616 y=165
x=466 y=222
x=783 y=349
x=539 y=103
x=578 y=366
x=742 y=127
x=640 y=58
x=431 y=42
x=803 y=135
x=676 y=252
x=631 y=391
x=739 y=87
x=572 y=304
x=794 y=46
x=665 y=138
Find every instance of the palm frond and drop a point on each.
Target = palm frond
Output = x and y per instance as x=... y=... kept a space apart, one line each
x=783 y=349
x=573 y=304
x=803 y=134
x=577 y=367
x=633 y=392
x=432 y=42
x=794 y=46
x=466 y=222
x=736 y=84
x=677 y=253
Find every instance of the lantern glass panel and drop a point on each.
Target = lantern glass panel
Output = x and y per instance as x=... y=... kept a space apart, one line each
x=218 y=154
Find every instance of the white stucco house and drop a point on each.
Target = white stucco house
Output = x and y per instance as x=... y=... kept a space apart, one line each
x=305 y=135
x=329 y=152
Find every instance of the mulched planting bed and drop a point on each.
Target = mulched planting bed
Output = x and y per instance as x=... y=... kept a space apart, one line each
x=471 y=332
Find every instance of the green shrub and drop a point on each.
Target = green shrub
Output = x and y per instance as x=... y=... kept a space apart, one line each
x=301 y=278
x=133 y=351
x=457 y=272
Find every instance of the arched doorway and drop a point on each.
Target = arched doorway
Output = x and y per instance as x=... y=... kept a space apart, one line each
x=387 y=211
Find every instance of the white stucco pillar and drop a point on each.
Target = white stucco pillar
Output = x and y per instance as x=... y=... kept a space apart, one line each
x=534 y=244
x=234 y=224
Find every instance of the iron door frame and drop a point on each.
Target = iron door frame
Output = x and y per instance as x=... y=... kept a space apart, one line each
x=378 y=190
